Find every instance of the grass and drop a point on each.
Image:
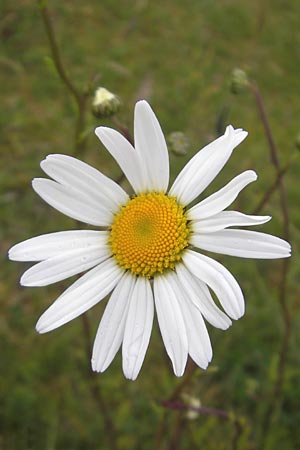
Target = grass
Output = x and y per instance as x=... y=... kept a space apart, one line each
x=179 y=56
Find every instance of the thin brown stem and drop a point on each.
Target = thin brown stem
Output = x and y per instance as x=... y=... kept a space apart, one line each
x=266 y=198
x=178 y=427
x=190 y=370
x=238 y=424
x=123 y=129
x=265 y=122
x=160 y=433
x=96 y=391
x=56 y=52
x=79 y=129
x=274 y=156
x=79 y=97
x=277 y=388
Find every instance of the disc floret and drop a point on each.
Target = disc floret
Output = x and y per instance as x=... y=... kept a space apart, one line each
x=149 y=234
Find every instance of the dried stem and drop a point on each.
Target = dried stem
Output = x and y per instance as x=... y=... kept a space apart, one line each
x=272 y=188
x=174 y=403
x=191 y=367
x=238 y=423
x=79 y=97
x=123 y=129
x=277 y=388
x=190 y=370
x=178 y=428
x=274 y=157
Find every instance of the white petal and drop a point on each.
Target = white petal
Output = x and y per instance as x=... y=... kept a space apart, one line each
x=126 y=156
x=71 y=202
x=243 y=243
x=205 y=166
x=223 y=198
x=219 y=279
x=199 y=345
x=150 y=142
x=81 y=296
x=64 y=266
x=171 y=324
x=226 y=219
x=87 y=180
x=111 y=329
x=53 y=244
x=199 y=294
x=138 y=328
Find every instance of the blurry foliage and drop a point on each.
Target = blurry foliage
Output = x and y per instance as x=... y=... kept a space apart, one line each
x=180 y=56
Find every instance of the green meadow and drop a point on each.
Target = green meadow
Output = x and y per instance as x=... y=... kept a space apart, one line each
x=180 y=57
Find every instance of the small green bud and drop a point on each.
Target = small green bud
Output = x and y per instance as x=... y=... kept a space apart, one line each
x=178 y=143
x=297 y=142
x=239 y=81
x=105 y=103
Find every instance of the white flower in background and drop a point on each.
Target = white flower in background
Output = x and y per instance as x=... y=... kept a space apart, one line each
x=193 y=404
x=147 y=251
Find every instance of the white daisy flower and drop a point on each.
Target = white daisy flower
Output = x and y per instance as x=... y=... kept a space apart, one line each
x=146 y=252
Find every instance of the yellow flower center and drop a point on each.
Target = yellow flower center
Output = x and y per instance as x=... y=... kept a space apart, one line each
x=149 y=233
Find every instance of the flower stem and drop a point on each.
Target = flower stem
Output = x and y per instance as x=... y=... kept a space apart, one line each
x=174 y=403
x=160 y=433
x=272 y=188
x=123 y=129
x=238 y=423
x=79 y=97
x=274 y=155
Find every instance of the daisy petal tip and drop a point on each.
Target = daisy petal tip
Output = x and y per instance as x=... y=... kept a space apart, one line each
x=253 y=174
x=142 y=104
x=238 y=314
x=26 y=280
x=227 y=325
x=39 y=327
x=289 y=253
x=36 y=183
x=239 y=136
x=100 y=132
x=44 y=163
x=204 y=366
x=23 y=282
x=130 y=375
x=99 y=364
x=178 y=373
x=94 y=365
x=178 y=370
x=229 y=129
x=11 y=254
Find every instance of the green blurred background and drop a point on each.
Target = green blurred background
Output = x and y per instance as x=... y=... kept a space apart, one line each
x=180 y=56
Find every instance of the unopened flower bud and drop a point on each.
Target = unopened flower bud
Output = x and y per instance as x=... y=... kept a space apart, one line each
x=239 y=81
x=105 y=103
x=178 y=143
x=297 y=142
